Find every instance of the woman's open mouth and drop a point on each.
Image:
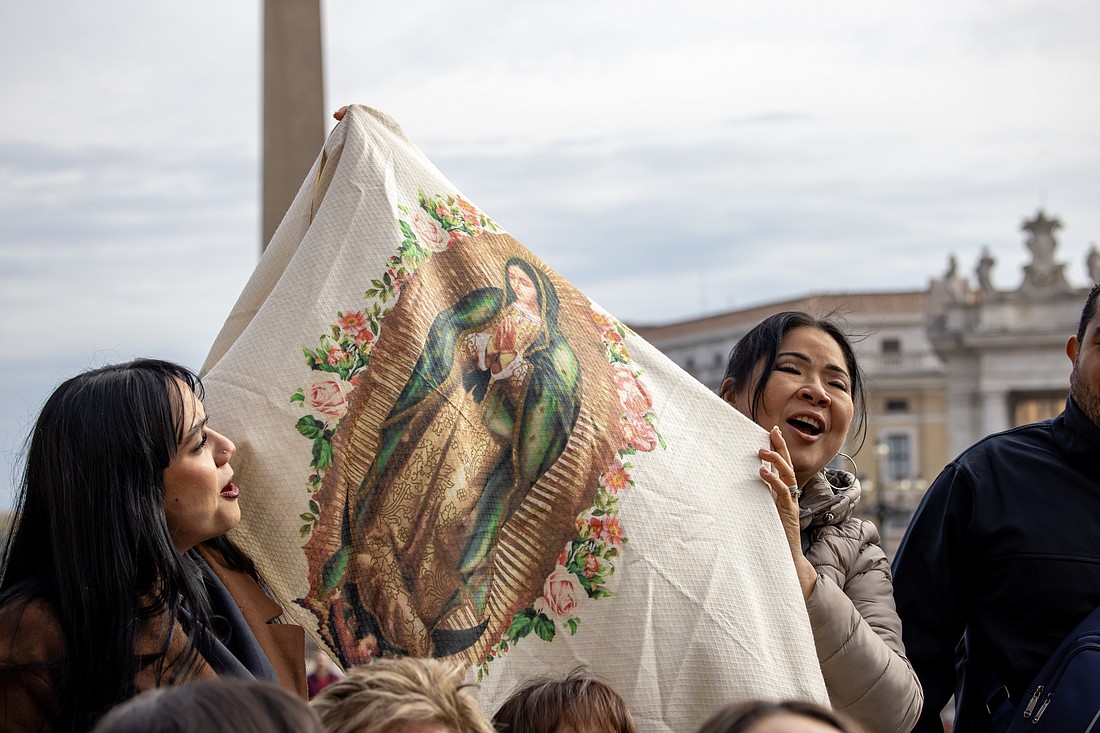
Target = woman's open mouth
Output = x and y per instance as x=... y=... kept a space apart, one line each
x=808 y=426
x=230 y=491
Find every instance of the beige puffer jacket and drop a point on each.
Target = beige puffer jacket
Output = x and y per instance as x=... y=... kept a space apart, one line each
x=855 y=624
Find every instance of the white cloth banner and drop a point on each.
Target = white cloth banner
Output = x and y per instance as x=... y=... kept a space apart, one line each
x=445 y=449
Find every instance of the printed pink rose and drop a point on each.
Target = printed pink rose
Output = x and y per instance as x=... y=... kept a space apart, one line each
x=602 y=321
x=336 y=355
x=442 y=211
x=582 y=529
x=456 y=234
x=632 y=393
x=611 y=530
x=429 y=233
x=561 y=594
x=357 y=325
x=607 y=529
x=616 y=479
x=467 y=207
x=352 y=321
x=563 y=558
x=328 y=396
x=591 y=566
x=639 y=434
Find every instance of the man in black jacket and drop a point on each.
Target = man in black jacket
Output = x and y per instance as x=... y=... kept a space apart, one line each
x=1002 y=559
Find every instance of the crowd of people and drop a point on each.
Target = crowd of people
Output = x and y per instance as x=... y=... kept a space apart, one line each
x=125 y=606
x=418 y=695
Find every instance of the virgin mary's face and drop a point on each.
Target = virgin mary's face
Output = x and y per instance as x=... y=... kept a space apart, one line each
x=525 y=290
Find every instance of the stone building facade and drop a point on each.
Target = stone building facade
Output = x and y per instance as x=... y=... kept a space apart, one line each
x=945 y=366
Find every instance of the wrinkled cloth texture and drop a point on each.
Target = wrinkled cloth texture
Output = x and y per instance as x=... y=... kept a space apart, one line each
x=855 y=625
x=31 y=639
x=698 y=604
x=1003 y=547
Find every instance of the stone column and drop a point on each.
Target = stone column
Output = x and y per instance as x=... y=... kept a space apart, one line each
x=294 y=121
x=994 y=412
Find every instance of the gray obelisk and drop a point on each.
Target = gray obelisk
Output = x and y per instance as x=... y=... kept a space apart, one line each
x=294 y=122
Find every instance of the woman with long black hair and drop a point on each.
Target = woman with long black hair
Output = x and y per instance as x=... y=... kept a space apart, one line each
x=117 y=575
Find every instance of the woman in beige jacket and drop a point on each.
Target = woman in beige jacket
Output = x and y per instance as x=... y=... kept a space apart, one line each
x=797 y=376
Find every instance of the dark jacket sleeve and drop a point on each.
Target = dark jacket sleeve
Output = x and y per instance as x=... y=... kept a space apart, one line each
x=931 y=578
x=31 y=641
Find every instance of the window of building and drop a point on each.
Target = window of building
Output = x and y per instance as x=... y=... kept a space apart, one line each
x=689 y=364
x=897 y=405
x=1033 y=407
x=899 y=459
x=891 y=352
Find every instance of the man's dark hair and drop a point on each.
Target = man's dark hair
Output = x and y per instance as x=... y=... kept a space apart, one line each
x=1087 y=313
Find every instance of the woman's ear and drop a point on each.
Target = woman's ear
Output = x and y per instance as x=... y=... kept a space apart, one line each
x=726 y=390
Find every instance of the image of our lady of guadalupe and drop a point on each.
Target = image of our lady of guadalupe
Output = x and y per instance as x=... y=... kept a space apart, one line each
x=488 y=409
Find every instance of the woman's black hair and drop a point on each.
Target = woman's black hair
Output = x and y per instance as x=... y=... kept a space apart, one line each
x=740 y=717
x=238 y=705
x=761 y=346
x=90 y=538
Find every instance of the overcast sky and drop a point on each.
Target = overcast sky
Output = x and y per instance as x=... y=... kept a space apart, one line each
x=669 y=158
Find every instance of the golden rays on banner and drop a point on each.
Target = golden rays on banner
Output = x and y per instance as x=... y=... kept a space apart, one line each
x=445 y=449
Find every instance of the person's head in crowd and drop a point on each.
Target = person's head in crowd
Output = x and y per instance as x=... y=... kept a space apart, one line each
x=1083 y=350
x=766 y=380
x=580 y=703
x=321 y=664
x=227 y=704
x=757 y=716
x=122 y=477
x=403 y=695
x=322 y=673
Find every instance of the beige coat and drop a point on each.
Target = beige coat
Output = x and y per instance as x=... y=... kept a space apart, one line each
x=855 y=624
x=32 y=634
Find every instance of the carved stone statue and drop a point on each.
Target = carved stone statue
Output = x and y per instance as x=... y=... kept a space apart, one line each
x=1043 y=274
x=983 y=270
x=952 y=286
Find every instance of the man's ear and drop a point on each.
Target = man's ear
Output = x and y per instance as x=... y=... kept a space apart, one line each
x=1071 y=349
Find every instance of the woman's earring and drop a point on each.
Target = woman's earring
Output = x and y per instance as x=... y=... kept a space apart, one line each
x=855 y=468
